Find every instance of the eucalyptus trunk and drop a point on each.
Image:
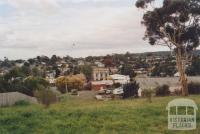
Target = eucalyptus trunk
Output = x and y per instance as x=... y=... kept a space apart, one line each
x=181 y=69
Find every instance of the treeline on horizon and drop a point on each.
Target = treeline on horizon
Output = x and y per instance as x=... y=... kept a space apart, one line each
x=144 y=54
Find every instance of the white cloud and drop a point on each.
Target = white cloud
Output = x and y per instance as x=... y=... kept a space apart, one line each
x=51 y=27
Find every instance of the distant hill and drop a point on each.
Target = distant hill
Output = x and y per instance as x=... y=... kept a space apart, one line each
x=161 y=53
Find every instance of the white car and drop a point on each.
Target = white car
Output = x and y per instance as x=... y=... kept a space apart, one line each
x=118 y=91
x=108 y=91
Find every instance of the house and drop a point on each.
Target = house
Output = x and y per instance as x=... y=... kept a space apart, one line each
x=52 y=81
x=100 y=73
x=81 y=62
x=50 y=77
x=63 y=67
x=99 y=64
x=43 y=63
x=51 y=74
x=19 y=64
x=113 y=70
x=1 y=72
x=141 y=73
x=104 y=84
x=122 y=79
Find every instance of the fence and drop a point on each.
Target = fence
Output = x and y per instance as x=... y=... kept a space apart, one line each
x=156 y=81
x=7 y=99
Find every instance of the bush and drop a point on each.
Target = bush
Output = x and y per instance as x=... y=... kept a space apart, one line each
x=116 y=85
x=162 y=90
x=34 y=83
x=87 y=86
x=194 y=88
x=148 y=93
x=46 y=96
x=131 y=89
x=22 y=103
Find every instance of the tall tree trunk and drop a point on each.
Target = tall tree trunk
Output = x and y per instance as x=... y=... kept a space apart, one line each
x=181 y=70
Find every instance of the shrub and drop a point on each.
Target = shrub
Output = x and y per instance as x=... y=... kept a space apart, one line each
x=34 y=83
x=22 y=103
x=148 y=93
x=46 y=96
x=87 y=86
x=131 y=89
x=162 y=90
x=116 y=85
x=194 y=88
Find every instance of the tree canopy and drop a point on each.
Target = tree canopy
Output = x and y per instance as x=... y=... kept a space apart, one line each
x=175 y=23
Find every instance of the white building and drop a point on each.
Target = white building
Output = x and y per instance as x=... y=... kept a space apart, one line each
x=100 y=73
x=122 y=79
x=99 y=64
x=81 y=63
x=51 y=80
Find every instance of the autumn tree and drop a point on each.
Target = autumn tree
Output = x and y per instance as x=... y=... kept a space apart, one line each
x=70 y=82
x=75 y=82
x=61 y=83
x=175 y=24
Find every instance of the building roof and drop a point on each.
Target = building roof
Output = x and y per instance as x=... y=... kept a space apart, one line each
x=120 y=77
x=103 y=82
x=100 y=69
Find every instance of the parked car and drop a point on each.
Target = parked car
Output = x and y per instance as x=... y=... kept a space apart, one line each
x=102 y=91
x=108 y=91
x=118 y=91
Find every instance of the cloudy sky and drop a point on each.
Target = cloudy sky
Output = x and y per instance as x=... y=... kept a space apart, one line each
x=70 y=27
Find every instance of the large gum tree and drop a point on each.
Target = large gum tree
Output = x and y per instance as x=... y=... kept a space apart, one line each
x=175 y=24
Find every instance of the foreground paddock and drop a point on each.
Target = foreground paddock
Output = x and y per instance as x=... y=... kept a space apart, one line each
x=73 y=116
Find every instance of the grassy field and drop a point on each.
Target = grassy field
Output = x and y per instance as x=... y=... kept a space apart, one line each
x=72 y=116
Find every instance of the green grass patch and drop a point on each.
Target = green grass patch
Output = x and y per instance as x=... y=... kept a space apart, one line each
x=72 y=116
